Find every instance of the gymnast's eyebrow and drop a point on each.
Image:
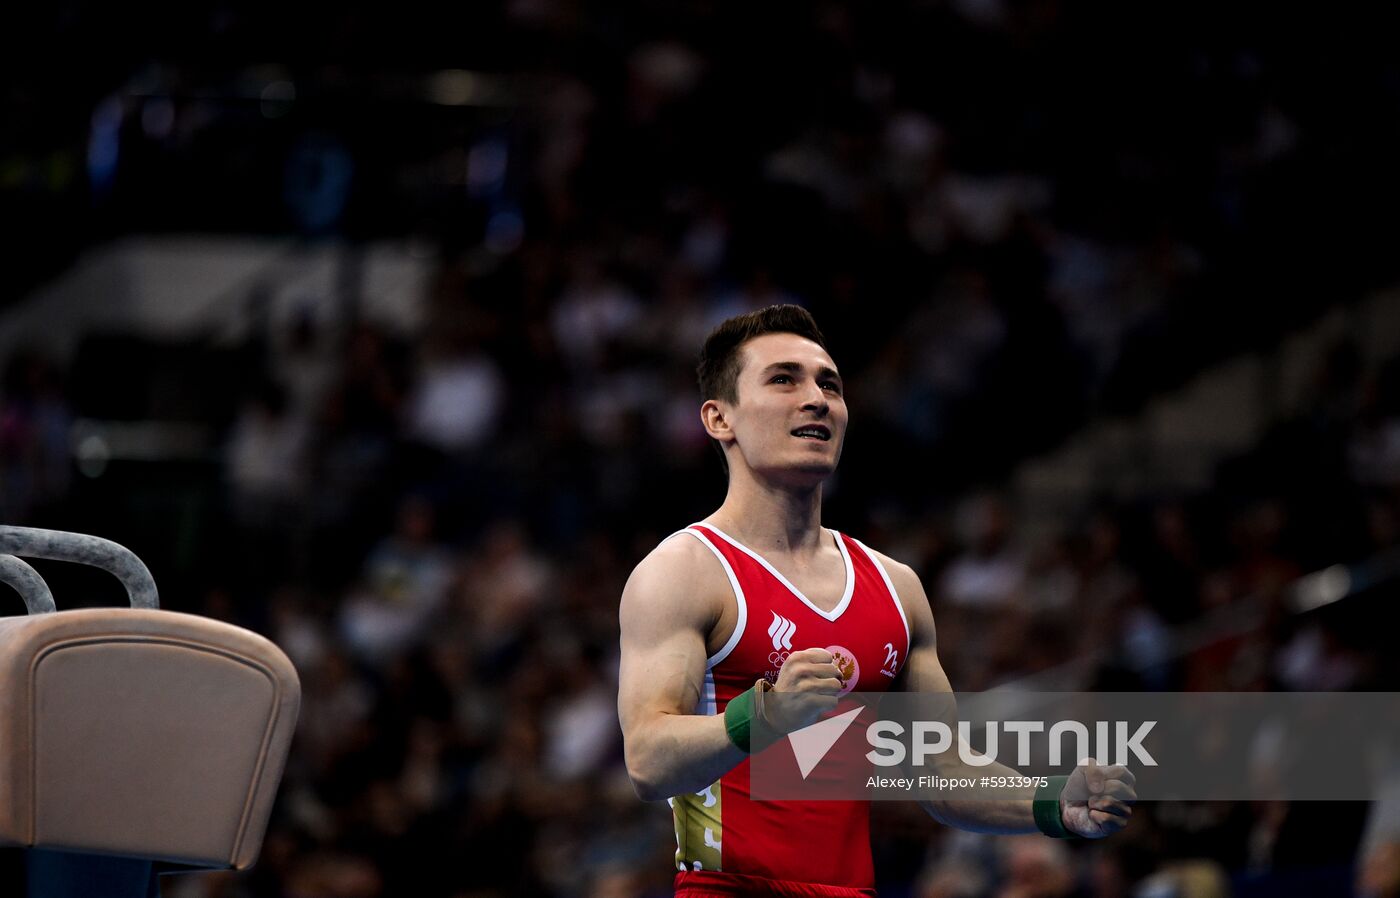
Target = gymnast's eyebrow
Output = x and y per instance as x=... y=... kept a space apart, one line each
x=796 y=368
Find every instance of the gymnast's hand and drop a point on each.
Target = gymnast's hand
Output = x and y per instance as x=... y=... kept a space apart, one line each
x=1109 y=802
x=810 y=684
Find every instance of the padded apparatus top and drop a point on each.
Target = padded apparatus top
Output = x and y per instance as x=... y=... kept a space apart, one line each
x=141 y=733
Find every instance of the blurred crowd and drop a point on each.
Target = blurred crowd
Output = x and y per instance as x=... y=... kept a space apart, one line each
x=1009 y=218
x=452 y=612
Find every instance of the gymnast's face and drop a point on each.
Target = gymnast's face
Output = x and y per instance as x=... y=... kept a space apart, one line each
x=790 y=419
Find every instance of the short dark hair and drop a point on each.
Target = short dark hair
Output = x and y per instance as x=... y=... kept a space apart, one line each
x=720 y=359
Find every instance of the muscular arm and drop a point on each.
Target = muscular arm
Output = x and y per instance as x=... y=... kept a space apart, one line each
x=1102 y=815
x=669 y=607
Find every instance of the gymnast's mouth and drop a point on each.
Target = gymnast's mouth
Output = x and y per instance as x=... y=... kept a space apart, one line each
x=813 y=432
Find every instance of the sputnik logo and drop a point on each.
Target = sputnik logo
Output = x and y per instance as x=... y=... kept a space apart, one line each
x=810 y=744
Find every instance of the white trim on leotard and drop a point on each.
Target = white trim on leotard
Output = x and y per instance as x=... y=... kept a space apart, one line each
x=743 y=617
x=894 y=593
x=707 y=704
x=831 y=615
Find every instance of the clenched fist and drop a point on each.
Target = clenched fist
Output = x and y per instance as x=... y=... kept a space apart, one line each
x=810 y=684
x=1097 y=801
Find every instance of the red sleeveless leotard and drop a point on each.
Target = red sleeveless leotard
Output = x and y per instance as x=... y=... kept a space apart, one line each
x=728 y=844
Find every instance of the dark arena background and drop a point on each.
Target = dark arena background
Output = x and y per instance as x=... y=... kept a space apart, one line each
x=373 y=330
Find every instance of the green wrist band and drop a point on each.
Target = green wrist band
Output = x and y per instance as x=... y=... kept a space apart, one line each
x=738 y=719
x=1046 y=808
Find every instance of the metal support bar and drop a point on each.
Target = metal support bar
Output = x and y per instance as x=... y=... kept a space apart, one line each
x=80 y=548
x=27 y=582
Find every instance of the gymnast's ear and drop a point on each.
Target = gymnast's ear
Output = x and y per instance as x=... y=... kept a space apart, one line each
x=712 y=415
